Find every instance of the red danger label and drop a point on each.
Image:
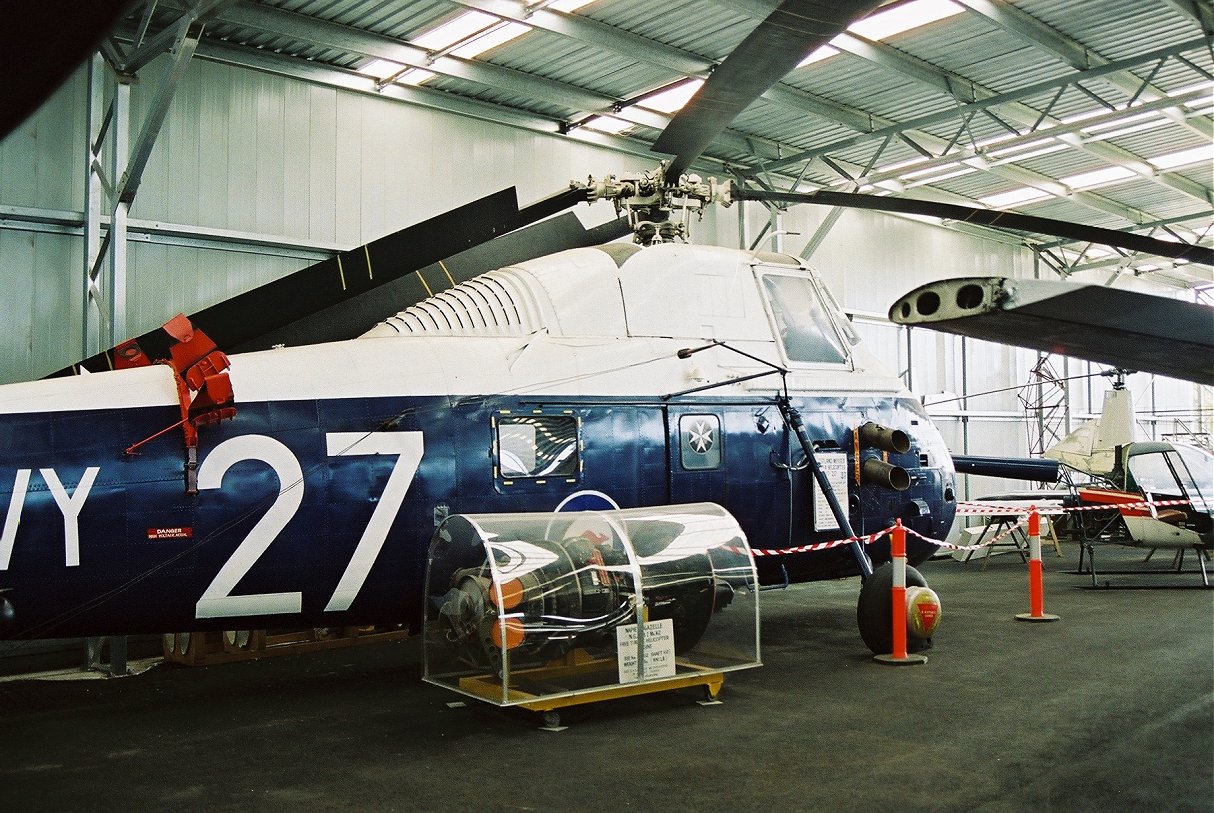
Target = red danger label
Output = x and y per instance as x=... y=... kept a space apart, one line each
x=170 y=533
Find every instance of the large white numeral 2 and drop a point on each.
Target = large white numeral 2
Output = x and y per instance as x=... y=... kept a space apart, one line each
x=217 y=601
x=408 y=448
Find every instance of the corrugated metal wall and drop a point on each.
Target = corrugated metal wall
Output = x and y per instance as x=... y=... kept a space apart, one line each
x=251 y=152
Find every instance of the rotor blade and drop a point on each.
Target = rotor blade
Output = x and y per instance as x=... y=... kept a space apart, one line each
x=352 y=317
x=989 y=217
x=789 y=34
x=31 y=66
x=241 y=320
x=1128 y=329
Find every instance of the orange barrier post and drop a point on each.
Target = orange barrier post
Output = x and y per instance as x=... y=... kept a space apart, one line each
x=1036 y=587
x=897 y=552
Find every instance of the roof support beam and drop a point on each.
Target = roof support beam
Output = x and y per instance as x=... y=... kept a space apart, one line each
x=299 y=26
x=992 y=101
x=967 y=91
x=1032 y=30
x=186 y=38
x=592 y=32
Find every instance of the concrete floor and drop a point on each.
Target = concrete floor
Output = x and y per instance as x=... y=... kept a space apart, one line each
x=1111 y=708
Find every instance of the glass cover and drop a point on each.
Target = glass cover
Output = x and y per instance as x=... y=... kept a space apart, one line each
x=522 y=607
x=807 y=333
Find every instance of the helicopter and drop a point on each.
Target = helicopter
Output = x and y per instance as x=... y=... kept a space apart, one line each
x=262 y=463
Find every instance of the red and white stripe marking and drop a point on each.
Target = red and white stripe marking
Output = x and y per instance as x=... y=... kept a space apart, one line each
x=1003 y=510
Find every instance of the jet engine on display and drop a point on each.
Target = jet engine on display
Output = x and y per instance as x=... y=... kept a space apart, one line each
x=535 y=598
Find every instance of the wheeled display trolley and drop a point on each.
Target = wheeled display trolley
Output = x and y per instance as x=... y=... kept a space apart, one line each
x=546 y=611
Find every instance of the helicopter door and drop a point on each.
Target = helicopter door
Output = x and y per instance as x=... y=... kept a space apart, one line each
x=724 y=455
x=697 y=451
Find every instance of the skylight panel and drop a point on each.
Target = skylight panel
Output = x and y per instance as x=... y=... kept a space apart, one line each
x=1024 y=156
x=956 y=173
x=1193 y=155
x=568 y=6
x=1124 y=131
x=904 y=18
x=415 y=76
x=1015 y=197
x=818 y=54
x=919 y=173
x=672 y=99
x=883 y=24
x=490 y=39
x=609 y=124
x=381 y=68
x=454 y=30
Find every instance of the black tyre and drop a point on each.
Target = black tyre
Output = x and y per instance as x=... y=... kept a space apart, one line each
x=874 y=611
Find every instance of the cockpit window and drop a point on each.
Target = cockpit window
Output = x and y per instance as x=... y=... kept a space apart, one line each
x=1183 y=472
x=1197 y=470
x=537 y=446
x=806 y=329
x=1152 y=474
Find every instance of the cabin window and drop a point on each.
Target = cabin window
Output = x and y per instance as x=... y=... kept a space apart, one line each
x=537 y=446
x=1183 y=472
x=1199 y=482
x=700 y=442
x=1153 y=475
x=805 y=327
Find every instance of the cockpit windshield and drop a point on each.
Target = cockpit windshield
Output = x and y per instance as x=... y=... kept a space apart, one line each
x=806 y=329
x=1183 y=472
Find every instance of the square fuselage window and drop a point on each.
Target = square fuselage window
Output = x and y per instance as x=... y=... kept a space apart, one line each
x=537 y=446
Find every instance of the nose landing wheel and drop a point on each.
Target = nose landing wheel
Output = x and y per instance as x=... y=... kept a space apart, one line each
x=874 y=610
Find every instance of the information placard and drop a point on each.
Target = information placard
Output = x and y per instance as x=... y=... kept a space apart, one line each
x=659 y=650
x=834 y=466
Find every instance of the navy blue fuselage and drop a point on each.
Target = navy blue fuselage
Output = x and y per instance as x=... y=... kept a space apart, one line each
x=146 y=553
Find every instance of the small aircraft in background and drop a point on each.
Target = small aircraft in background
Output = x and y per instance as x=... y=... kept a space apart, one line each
x=1158 y=494
x=1164 y=336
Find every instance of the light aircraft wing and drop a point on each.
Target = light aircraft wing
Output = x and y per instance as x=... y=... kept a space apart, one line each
x=1128 y=329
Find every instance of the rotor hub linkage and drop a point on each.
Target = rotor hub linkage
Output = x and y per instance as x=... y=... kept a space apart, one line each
x=649 y=200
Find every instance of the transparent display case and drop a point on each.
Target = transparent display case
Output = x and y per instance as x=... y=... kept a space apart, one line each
x=544 y=610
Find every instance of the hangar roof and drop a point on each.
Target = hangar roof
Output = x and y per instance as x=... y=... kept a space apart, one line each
x=1094 y=113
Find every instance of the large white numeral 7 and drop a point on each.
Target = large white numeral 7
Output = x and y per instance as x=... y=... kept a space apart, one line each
x=217 y=601
x=408 y=448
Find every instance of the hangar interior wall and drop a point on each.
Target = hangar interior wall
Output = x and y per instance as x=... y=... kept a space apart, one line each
x=248 y=154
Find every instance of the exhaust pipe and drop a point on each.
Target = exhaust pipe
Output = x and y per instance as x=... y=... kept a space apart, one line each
x=884 y=438
x=875 y=471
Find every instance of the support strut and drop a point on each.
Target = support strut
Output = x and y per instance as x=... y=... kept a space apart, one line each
x=793 y=418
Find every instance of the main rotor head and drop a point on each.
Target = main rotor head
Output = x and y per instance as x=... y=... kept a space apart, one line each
x=658 y=210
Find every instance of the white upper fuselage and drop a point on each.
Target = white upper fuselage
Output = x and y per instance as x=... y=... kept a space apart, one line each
x=570 y=323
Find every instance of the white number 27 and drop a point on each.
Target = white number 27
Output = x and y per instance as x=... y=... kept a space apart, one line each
x=217 y=600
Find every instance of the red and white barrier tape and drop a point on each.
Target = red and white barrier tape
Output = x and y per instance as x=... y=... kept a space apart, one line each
x=868 y=539
x=999 y=509
x=979 y=546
